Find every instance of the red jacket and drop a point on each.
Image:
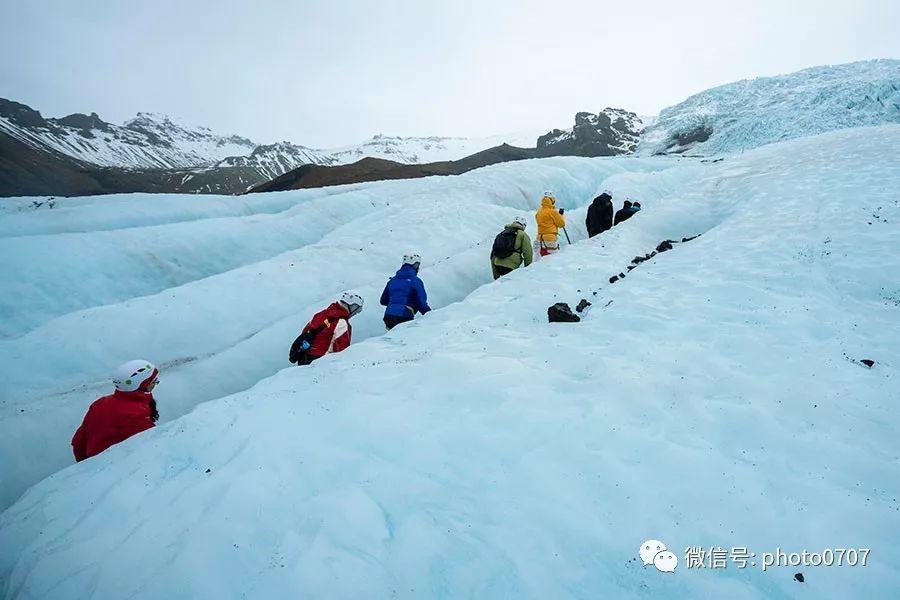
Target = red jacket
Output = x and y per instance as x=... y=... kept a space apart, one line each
x=335 y=332
x=110 y=420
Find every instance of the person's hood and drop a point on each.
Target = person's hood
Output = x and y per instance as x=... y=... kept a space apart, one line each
x=604 y=197
x=406 y=272
x=337 y=311
x=548 y=202
x=515 y=225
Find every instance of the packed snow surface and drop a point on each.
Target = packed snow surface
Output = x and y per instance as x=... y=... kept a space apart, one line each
x=214 y=289
x=713 y=397
x=750 y=113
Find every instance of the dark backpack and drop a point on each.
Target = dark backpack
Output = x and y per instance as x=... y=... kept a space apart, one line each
x=505 y=243
x=296 y=355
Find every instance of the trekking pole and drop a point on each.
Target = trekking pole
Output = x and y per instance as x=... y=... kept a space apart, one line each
x=567 y=236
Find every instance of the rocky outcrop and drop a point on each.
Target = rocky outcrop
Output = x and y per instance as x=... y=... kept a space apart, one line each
x=85 y=123
x=610 y=132
x=20 y=114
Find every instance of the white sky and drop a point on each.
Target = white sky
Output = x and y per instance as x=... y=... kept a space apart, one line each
x=334 y=72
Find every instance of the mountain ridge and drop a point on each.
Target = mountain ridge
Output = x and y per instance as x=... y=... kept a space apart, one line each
x=379 y=169
x=155 y=152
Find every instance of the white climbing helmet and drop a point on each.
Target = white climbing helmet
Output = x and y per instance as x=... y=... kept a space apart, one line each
x=353 y=302
x=521 y=221
x=411 y=259
x=131 y=375
x=549 y=194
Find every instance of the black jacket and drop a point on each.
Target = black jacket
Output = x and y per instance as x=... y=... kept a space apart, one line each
x=599 y=215
x=623 y=214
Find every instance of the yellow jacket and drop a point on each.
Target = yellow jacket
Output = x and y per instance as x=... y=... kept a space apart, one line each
x=548 y=220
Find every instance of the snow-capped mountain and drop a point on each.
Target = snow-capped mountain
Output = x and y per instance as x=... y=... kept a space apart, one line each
x=419 y=150
x=750 y=113
x=149 y=141
x=272 y=160
x=81 y=154
x=610 y=132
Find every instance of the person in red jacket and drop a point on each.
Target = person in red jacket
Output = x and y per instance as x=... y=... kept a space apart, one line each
x=328 y=331
x=131 y=409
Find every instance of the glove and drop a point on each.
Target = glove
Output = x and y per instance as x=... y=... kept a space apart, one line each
x=304 y=346
x=562 y=211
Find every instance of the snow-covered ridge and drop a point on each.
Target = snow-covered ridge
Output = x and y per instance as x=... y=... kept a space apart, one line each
x=148 y=141
x=273 y=160
x=713 y=397
x=750 y=113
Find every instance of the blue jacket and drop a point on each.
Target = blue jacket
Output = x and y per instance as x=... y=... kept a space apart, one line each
x=404 y=294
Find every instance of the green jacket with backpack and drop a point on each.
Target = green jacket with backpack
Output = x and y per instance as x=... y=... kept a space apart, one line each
x=523 y=250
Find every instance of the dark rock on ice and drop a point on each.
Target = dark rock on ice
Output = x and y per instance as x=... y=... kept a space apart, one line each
x=562 y=313
x=664 y=246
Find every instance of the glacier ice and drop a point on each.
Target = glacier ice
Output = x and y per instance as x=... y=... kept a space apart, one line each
x=751 y=113
x=710 y=398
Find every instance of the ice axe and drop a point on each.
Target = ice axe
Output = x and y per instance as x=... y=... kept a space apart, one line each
x=562 y=211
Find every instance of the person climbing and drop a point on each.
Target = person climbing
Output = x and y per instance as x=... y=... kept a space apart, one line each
x=328 y=331
x=599 y=214
x=129 y=410
x=627 y=211
x=549 y=220
x=511 y=249
x=404 y=295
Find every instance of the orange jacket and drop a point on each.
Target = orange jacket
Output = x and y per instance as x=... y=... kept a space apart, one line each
x=548 y=220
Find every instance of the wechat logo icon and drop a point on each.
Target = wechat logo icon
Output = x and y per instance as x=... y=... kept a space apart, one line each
x=654 y=552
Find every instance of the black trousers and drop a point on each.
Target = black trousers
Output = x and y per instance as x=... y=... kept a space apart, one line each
x=306 y=358
x=391 y=322
x=499 y=271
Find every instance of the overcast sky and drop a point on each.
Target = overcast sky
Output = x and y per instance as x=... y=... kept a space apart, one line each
x=334 y=72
